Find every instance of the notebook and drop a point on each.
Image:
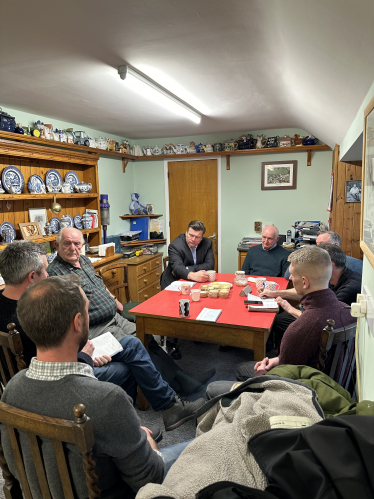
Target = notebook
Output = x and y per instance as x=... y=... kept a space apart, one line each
x=106 y=344
x=209 y=314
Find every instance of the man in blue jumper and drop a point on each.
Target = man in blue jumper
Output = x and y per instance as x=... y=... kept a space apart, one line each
x=267 y=258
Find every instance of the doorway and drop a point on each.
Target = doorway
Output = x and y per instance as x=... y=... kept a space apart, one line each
x=192 y=193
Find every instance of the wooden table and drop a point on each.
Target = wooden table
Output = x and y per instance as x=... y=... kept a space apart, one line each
x=235 y=327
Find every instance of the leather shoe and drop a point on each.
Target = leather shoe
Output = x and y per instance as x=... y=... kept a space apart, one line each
x=173 y=350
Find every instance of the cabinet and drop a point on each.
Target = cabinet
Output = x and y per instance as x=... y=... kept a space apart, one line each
x=137 y=242
x=143 y=273
x=35 y=159
x=241 y=257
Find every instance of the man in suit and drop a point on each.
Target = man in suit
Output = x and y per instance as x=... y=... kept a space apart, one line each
x=333 y=238
x=190 y=256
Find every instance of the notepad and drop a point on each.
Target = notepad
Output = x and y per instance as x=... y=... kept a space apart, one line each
x=106 y=344
x=176 y=285
x=209 y=314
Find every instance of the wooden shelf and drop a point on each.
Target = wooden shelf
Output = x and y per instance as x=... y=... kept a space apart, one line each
x=147 y=241
x=126 y=217
x=59 y=195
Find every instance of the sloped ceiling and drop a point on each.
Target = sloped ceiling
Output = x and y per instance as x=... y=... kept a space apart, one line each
x=244 y=64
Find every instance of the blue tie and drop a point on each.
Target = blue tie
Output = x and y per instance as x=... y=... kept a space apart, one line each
x=194 y=255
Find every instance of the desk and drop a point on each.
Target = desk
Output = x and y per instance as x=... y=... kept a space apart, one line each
x=235 y=327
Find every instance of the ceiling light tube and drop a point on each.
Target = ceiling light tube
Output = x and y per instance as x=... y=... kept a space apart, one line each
x=182 y=108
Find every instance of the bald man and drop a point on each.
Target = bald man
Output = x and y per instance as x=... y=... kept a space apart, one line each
x=267 y=258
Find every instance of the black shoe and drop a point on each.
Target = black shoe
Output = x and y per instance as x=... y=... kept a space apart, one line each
x=173 y=350
x=156 y=432
x=180 y=411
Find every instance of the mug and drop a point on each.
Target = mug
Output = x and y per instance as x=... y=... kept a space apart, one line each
x=195 y=295
x=184 y=308
x=185 y=288
x=271 y=285
x=212 y=275
x=260 y=283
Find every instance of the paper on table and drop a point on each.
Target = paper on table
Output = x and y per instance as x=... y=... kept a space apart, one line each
x=253 y=279
x=266 y=302
x=176 y=285
x=209 y=314
x=106 y=344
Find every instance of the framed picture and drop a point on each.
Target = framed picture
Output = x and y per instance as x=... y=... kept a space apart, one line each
x=353 y=191
x=30 y=230
x=278 y=175
x=150 y=209
x=38 y=215
x=367 y=207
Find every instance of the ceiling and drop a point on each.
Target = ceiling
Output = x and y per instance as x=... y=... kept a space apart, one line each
x=245 y=64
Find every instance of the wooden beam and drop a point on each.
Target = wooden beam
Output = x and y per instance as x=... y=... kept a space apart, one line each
x=125 y=162
x=309 y=160
x=228 y=162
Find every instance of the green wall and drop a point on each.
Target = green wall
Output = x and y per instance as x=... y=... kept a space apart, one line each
x=242 y=200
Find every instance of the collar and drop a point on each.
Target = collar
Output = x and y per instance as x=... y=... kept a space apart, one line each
x=319 y=299
x=270 y=248
x=53 y=371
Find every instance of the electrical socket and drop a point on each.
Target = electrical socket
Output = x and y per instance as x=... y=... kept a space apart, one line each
x=258 y=226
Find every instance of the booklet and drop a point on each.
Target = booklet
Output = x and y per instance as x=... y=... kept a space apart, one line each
x=209 y=314
x=106 y=344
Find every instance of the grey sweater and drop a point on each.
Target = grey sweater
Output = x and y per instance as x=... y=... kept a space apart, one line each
x=124 y=459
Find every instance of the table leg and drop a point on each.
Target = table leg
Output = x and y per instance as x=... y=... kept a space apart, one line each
x=144 y=338
x=259 y=345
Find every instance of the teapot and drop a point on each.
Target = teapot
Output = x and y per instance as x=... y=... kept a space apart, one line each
x=82 y=187
x=244 y=142
x=147 y=150
x=169 y=149
x=310 y=140
x=217 y=147
x=209 y=147
x=230 y=145
x=181 y=149
x=192 y=148
x=200 y=148
x=101 y=143
x=298 y=140
x=156 y=151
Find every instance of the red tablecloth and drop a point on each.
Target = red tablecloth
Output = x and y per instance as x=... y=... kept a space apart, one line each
x=166 y=304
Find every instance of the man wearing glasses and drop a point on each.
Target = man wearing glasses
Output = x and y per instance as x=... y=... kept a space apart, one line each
x=190 y=256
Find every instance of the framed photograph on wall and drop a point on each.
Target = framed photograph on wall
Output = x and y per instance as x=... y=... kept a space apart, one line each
x=38 y=215
x=278 y=175
x=30 y=231
x=367 y=195
x=150 y=209
x=353 y=191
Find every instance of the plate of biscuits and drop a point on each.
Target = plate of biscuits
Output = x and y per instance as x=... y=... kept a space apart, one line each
x=215 y=290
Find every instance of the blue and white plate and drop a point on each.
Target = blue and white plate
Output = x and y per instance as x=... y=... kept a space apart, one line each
x=36 y=184
x=53 y=178
x=71 y=220
x=72 y=178
x=55 y=224
x=8 y=225
x=12 y=176
x=78 y=222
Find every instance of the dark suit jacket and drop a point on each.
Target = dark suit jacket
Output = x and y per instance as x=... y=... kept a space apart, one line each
x=181 y=259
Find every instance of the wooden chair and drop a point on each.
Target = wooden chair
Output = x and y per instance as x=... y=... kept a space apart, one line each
x=60 y=431
x=165 y=261
x=340 y=365
x=11 y=355
x=115 y=279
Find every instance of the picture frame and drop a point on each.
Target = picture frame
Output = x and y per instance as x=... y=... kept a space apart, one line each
x=38 y=215
x=30 y=231
x=353 y=191
x=367 y=193
x=278 y=175
x=150 y=209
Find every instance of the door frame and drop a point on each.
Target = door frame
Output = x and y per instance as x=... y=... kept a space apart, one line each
x=167 y=214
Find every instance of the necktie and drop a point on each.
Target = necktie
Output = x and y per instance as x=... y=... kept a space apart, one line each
x=194 y=255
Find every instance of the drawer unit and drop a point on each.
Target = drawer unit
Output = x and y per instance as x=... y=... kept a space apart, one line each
x=143 y=274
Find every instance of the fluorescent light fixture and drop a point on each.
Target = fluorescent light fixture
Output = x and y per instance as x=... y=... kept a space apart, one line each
x=151 y=90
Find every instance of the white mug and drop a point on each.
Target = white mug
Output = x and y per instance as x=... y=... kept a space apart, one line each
x=212 y=275
x=260 y=283
x=185 y=288
x=195 y=295
x=271 y=285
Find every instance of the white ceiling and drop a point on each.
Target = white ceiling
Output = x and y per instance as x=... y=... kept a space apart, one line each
x=245 y=64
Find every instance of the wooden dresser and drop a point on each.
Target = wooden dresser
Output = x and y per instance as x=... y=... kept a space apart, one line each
x=143 y=273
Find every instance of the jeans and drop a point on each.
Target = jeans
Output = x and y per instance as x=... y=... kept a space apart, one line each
x=172 y=453
x=133 y=366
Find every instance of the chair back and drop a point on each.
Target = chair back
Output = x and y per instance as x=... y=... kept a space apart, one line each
x=115 y=279
x=341 y=363
x=60 y=431
x=165 y=261
x=11 y=355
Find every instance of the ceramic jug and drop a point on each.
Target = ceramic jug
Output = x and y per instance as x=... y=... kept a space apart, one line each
x=192 y=148
x=147 y=150
x=65 y=222
x=200 y=148
x=217 y=147
x=156 y=151
x=169 y=149
x=7 y=236
x=48 y=229
x=209 y=147
x=101 y=143
x=86 y=221
x=230 y=145
x=67 y=188
x=136 y=150
x=1 y=189
x=181 y=149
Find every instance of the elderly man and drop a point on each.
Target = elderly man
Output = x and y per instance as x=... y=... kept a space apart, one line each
x=24 y=263
x=267 y=258
x=190 y=256
x=125 y=453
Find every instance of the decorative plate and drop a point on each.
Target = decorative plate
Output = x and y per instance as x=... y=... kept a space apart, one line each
x=55 y=224
x=78 y=221
x=71 y=220
x=36 y=183
x=12 y=176
x=8 y=225
x=72 y=178
x=53 y=178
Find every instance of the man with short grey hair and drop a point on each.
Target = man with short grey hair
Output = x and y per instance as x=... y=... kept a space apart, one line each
x=267 y=258
x=332 y=237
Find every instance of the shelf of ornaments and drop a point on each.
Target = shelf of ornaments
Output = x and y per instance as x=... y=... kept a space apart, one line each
x=59 y=195
x=54 y=236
